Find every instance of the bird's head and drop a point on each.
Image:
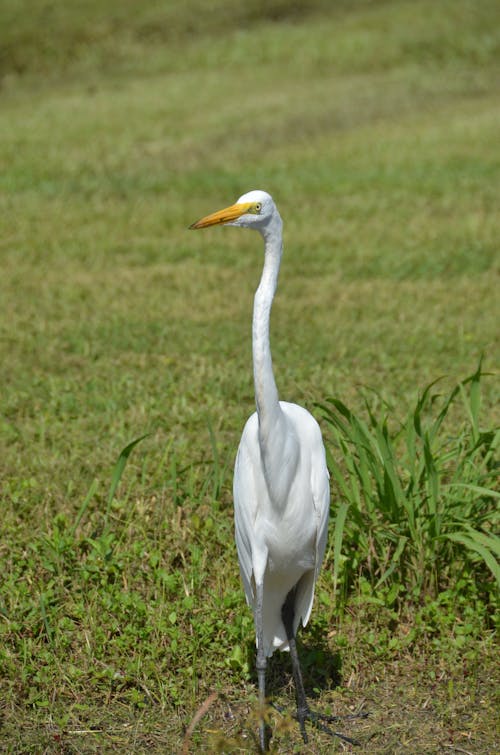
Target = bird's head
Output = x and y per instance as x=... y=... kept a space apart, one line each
x=255 y=209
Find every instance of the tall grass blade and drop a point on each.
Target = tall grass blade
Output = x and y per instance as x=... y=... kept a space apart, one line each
x=475 y=397
x=472 y=542
x=338 y=536
x=118 y=471
x=394 y=561
x=479 y=489
x=219 y=471
x=422 y=402
x=432 y=477
x=84 y=506
x=45 y=619
x=492 y=542
x=472 y=402
x=215 y=456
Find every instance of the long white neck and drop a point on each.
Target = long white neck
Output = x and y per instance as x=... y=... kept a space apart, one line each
x=266 y=393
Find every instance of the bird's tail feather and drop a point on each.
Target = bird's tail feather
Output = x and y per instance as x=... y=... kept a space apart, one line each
x=275 y=595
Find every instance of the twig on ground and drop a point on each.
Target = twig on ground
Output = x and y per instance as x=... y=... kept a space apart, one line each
x=459 y=749
x=202 y=710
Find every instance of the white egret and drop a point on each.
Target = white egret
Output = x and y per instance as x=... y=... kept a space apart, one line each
x=281 y=482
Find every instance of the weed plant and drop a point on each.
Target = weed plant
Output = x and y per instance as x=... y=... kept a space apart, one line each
x=419 y=513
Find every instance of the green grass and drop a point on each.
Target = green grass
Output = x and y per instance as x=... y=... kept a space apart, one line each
x=375 y=126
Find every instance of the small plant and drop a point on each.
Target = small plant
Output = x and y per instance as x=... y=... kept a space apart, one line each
x=418 y=509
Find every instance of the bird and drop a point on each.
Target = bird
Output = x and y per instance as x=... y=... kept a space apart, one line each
x=281 y=484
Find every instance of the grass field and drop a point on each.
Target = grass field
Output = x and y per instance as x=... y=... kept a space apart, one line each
x=375 y=125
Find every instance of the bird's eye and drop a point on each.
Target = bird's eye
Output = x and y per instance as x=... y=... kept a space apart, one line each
x=258 y=207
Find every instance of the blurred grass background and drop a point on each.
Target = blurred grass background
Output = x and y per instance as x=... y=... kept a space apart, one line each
x=375 y=127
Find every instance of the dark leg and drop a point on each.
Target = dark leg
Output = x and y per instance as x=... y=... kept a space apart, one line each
x=304 y=713
x=287 y=615
x=261 y=664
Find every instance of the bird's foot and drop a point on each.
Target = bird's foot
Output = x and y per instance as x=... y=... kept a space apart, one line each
x=320 y=721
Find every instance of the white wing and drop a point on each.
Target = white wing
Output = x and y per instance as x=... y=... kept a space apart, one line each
x=320 y=489
x=245 y=504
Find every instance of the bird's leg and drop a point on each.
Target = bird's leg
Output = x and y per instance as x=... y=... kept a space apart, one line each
x=261 y=664
x=304 y=713
x=287 y=616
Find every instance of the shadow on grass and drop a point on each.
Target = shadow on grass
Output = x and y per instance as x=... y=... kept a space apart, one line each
x=321 y=668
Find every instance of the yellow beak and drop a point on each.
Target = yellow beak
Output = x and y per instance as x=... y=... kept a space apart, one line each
x=223 y=216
